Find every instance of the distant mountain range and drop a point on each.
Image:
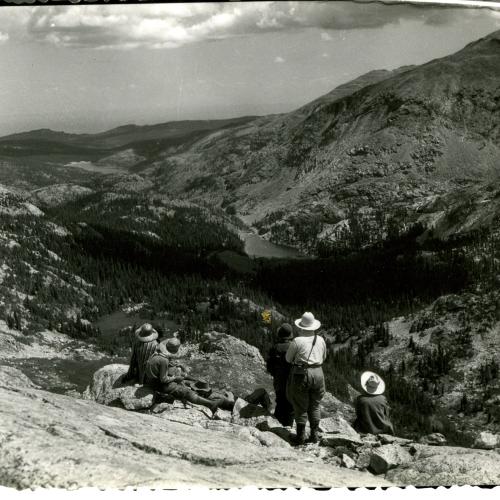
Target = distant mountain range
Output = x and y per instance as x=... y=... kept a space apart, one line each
x=372 y=152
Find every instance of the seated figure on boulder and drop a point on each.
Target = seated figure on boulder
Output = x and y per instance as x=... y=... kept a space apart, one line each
x=167 y=375
x=279 y=368
x=143 y=348
x=372 y=409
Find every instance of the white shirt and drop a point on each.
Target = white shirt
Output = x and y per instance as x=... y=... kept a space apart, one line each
x=300 y=347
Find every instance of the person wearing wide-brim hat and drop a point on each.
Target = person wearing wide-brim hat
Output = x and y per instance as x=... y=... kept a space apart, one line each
x=372 y=408
x=168 y=375
x=306 y=383
x=145 y=344
x=279 y=368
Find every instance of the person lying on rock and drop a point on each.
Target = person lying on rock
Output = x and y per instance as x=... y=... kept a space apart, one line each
x=166 y=374
x=306 y=383
x=279 y=368
x=372 y=409
x=144 y=347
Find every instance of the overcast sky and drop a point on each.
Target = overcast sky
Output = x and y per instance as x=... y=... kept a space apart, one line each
x=82 y=68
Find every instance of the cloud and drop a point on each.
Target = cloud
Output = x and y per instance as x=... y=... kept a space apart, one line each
x=326 y=36
x=173 y=25
x=279 y=59
x=4 y=37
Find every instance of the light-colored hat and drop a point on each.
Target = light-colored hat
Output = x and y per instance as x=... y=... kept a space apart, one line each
x=372 y=383
x=308 y=322
x=169 y=346
x=146 y=333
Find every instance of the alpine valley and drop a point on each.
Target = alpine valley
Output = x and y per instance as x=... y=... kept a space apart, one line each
x=378 y=205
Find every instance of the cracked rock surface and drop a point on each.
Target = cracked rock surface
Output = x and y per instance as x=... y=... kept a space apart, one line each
x=52 y=440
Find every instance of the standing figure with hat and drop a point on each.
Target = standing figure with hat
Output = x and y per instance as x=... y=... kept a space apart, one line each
x=167 y=375
x=144 y=347
x=372 y=409
x=279 y=368
x=306 y=384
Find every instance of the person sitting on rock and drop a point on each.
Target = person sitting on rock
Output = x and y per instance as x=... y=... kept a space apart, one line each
x=306 y=384
x=144 y=347
x=279 y=368
x=166 y=374
x=372 y=409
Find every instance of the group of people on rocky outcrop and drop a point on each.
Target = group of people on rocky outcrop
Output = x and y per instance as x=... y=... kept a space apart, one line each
x=296 y=366
x=157 y=364
x=295 y=362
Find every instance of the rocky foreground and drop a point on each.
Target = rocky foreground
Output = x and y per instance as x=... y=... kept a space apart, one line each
x=118 y=435
x=52 y=440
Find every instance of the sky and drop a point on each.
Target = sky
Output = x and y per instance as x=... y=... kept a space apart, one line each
x=89 y=68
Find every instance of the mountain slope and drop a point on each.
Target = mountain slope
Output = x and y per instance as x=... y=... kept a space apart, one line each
x=418 y=133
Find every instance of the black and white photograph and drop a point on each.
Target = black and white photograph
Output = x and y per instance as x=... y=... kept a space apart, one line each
x=249 y=244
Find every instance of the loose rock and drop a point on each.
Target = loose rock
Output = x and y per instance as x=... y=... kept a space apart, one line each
x=335 y=440
x=348 y=462
x=389 y=439
x=387 y=457
x=487 y=441
x=434 y=439
x=337 y=425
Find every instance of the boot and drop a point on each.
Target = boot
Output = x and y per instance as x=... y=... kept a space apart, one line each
x=227 y=404
x=300 y=437
x=314 y=437
x=215 y=406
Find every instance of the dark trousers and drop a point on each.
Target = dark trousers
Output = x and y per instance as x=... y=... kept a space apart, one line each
x=305 y=393
x=284 y=410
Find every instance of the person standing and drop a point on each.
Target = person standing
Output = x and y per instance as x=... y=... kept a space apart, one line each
x=306 y=383
x=372 y=409
x=144 y=347
x=279 y=368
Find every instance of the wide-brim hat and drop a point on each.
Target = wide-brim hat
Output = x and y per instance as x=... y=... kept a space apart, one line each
x=164 y=345
x=146 y=333
x=372 y=383
x=285 y=332
x=201 y=387
x=308 y=322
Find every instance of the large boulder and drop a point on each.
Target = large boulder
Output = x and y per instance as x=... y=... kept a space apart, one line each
x=330 y=405
x=228 y=363
x=337 y=425
x=224 y=343
x=387 y=457
x=487 y=441
x=108 y=388
x=338 y=433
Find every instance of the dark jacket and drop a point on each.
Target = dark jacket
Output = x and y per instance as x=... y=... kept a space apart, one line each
x=277 y=365
x=373 y=415
x=141 y=352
